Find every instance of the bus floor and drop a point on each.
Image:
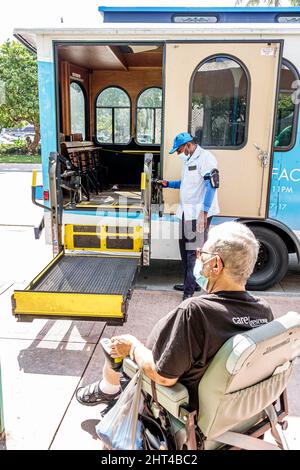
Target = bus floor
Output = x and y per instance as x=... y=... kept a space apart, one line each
x=124 y=196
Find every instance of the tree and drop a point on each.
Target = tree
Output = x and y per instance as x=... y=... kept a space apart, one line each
x=18 y=72
x=269 y=3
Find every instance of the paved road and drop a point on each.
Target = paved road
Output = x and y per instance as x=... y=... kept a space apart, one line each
x=20 y=167
x=16 y=208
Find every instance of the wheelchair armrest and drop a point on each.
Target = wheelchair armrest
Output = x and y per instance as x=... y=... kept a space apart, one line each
x=170 y=398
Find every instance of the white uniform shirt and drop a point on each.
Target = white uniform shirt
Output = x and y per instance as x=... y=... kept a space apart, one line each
x=192 y=188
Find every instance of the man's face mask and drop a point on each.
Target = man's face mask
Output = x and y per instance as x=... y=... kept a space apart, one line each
x=201 y=279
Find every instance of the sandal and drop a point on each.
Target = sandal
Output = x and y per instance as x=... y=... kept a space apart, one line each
x=92 y=395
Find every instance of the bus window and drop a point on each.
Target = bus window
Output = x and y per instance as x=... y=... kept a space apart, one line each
x=149 y=106
x=219 y=93
x=113 y=110
x=78 y=106
x=287 y=111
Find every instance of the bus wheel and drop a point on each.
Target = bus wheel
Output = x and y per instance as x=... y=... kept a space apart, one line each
x=272 y=262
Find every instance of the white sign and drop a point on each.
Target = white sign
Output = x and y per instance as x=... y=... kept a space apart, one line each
x=269 y=51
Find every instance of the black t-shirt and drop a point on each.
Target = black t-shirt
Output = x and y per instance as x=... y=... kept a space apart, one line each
x=184 y=341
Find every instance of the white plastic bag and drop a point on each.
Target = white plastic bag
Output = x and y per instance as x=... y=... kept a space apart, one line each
x=120 y=428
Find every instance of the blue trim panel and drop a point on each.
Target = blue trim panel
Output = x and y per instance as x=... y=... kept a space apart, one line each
x=209 y=195
x=39 y=192
x=47 y=116
x=285 y=186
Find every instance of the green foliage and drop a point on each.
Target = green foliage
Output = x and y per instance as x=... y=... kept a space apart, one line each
x=149 y=107
x=104 y=125
x=285 y=105
x=78 y=109
x=113 y=97
x=284 y=123
x=18 y=72
x=20 y=158
x=151 y=98
x=18 y=147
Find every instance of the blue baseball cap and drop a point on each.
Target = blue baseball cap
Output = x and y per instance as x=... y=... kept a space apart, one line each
x=180 y=139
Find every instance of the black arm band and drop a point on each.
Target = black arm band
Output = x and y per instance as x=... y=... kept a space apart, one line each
x=214 y=178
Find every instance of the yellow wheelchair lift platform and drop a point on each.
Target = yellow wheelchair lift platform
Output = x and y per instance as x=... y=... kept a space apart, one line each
x=85 y=286
x=92 y=276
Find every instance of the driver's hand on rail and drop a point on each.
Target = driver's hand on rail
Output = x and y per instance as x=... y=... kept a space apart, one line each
x=163 y=183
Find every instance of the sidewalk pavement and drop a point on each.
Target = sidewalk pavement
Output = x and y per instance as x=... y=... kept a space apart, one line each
x=44 y=362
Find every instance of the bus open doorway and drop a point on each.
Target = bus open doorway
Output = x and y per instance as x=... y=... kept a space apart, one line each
x=110 y=115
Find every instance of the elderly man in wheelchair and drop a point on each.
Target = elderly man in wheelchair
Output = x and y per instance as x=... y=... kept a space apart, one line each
x=215 y=369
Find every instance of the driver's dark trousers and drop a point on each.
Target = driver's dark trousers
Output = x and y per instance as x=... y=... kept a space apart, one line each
x=189 y=241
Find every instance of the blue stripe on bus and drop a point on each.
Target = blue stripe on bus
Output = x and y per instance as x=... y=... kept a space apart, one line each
x=285 y=187
x=139 y=215
x=224 y=15
x=124 y=214
x=200 y=9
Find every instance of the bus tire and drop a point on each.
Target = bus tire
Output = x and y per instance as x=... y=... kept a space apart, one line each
x=272 y=262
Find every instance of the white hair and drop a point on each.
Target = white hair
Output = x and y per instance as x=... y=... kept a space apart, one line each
x=237 y=246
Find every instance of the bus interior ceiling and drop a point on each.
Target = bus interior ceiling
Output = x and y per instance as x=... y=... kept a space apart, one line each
x=110 y=110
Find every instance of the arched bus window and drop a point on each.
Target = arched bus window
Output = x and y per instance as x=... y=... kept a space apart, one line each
x=219 y=103
x=113 y=119
x=287 y=111
x=78 y=109
x=148 y=127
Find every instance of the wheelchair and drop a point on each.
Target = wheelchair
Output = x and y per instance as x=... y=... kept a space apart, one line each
x=242 y=395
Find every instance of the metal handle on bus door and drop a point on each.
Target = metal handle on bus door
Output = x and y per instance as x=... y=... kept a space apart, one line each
x=33 y=192
x=146 y=201
x=262 y=156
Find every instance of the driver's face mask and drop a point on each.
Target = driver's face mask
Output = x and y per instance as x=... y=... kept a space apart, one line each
x=183 y=156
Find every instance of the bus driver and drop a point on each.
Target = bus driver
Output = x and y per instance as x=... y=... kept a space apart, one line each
x=198 y=202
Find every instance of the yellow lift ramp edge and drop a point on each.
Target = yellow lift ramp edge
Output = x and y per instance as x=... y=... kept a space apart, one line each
x=79 y=286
